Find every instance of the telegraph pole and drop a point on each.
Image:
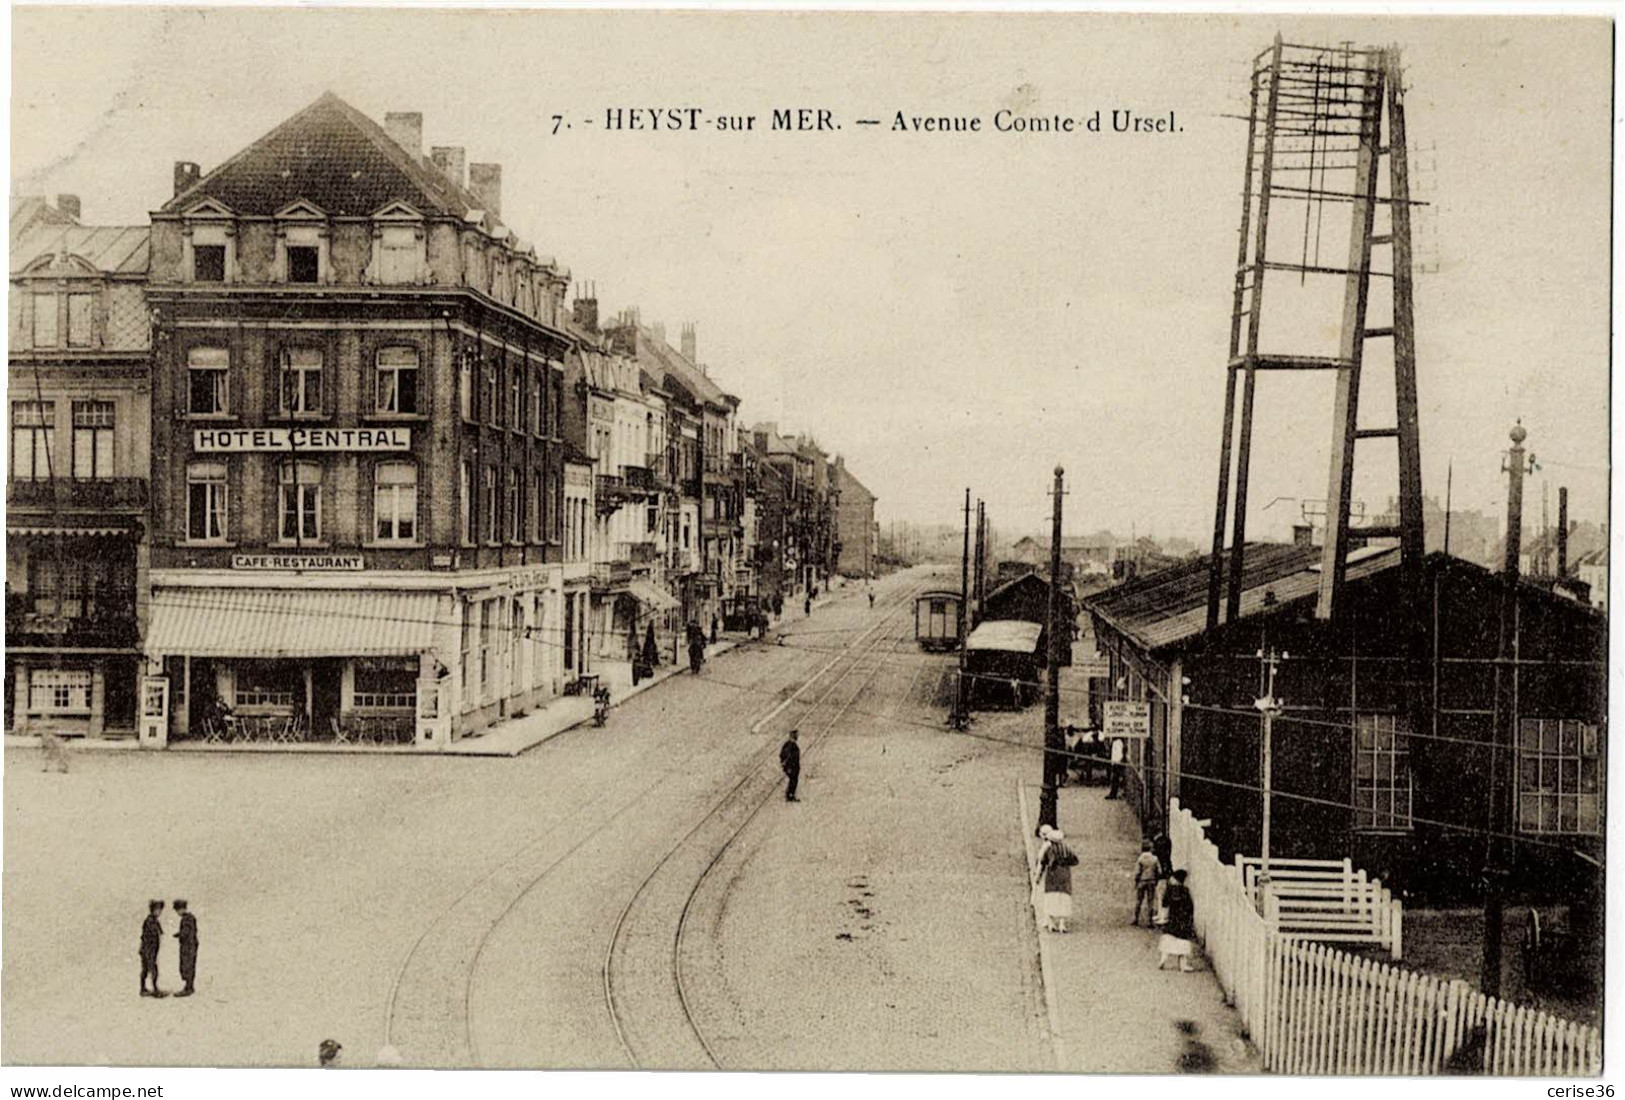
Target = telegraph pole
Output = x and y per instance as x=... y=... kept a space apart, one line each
x=1269 y=706
x=964 y=594
x=1506 y=726
x=976 y=584
x=1054 y=744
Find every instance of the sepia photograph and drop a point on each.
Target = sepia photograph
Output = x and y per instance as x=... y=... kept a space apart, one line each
x=988 y=542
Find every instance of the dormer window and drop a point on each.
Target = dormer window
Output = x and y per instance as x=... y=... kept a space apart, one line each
x=301 y=244
x=210 y=243
x=399 y=257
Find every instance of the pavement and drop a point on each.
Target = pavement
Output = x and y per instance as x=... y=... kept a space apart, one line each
x=1110 y=1009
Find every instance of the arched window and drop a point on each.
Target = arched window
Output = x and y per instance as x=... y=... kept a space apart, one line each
x=395 y=502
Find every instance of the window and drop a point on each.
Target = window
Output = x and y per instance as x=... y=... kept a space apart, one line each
x=491 y=394
x=206 y=502
x=652 y=521
x=538 y=425
x=59 y=691
x=32 y=432
x=467 y=498
x=515 y=405
x=398 y=381
x=386 y=683
x=299 y=501
x=490 y=504
x=302 y=382
x=1382 y=772
x=537 y=502
x=395 y=502
x=81 y=320
x=208 y=263
x=45 y=320
x=513 y=504
x=469 y=623
x=465 y=386
x=207 y=375
x=557 y=394
x=570 y=631
x=304 y=263
x=1559 y=777
x=487 y=621
x=400 y=254
x=92 y=439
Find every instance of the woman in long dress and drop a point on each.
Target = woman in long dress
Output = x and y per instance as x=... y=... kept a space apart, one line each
x=1055 y=868
x=1179 y=933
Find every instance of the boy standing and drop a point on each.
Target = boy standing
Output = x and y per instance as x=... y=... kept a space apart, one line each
x=1147 y=870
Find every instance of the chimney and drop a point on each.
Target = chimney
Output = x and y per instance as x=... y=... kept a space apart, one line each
x=405 y=128
x=586 y=308
x=485 y=180
x=69 y=205
x=186 y=175
x=690 y=343
x=1515 y=463
x=1303 y=534
x=450 y=159
x=1562 y=532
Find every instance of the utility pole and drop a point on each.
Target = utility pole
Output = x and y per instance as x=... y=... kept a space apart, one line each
x=1269 y=706
x=1054 y=744
x=1506 y=726
x=976 y=584
x=960 y=716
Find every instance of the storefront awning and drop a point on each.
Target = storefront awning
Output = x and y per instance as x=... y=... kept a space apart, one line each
x=653 y=596
x=279 y=622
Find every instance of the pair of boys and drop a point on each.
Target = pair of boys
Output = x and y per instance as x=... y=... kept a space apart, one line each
x=152 y=935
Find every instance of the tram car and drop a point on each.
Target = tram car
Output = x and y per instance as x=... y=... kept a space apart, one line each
x=936 y=621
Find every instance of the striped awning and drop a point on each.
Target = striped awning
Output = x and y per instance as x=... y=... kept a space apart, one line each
x=280 y=622
x=653 y=596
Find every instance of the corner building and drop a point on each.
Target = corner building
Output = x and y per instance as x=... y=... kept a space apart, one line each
x=357 y=447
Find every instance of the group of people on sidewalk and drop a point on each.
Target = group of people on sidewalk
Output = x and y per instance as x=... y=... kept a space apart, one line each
x=1159 y=892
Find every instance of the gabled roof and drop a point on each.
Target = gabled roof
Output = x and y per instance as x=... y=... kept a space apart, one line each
x=334 y=157
x=1005 y=636
x=31 y=211
x=111 y=249
x=675 y=369
x=846 y=475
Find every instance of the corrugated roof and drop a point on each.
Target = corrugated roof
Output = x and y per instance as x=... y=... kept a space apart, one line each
x=286 y=622
x=115 y=249
x=1005 y=636
x=1170 y=605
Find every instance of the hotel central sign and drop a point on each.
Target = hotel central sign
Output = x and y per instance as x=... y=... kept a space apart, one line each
x=224 y=440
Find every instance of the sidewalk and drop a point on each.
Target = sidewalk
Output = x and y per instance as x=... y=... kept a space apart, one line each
x=509 y=738
x=1110 y=1008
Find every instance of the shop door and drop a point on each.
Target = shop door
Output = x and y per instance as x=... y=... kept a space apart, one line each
x=326 y=691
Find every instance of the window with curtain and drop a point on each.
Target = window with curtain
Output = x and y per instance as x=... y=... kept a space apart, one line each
x=93 y=439
x=207 y=388
x=395 y=502
x=299 y=501
x=302 y=382
x=32 y=433
x=397 y=388
x=206 y=501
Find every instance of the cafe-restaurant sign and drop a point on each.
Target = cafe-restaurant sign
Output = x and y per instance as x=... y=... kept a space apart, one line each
x=225 y=440
x=322 y=562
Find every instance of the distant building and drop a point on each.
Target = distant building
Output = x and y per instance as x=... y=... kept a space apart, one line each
x=76 y=501
x=855 y=524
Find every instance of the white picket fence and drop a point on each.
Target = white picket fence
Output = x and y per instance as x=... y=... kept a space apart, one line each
x=1325 y=900
x=1312 y=1009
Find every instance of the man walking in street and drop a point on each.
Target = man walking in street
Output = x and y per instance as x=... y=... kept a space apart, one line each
x=152 y=934
x=790 y=761
x=188 y=937
x=1116 y=769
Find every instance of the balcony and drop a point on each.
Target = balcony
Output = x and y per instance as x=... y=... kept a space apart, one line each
x=608 y=576
x=119 y=494
x=635 y=486
x=638 y=553
x=109 y=624
x=639 y=477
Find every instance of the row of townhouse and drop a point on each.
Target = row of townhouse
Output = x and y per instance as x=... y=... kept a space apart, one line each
x=324 y=443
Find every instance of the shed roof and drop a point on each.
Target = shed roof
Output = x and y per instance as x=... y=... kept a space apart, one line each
x=1005 y=636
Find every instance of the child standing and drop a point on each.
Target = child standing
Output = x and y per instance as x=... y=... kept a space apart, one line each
x=1147 y=870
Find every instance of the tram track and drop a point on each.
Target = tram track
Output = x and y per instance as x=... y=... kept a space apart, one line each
x=440 y=966
x=678 y=1041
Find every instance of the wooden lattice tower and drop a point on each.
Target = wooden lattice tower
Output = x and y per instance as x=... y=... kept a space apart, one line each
x=1315 y=137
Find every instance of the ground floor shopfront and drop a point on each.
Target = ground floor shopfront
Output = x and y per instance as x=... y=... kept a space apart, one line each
x=375 y=657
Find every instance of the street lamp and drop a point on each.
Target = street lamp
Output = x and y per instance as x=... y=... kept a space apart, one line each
x=1269 y=706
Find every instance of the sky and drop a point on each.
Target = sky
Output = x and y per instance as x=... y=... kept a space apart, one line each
x=944 y=309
